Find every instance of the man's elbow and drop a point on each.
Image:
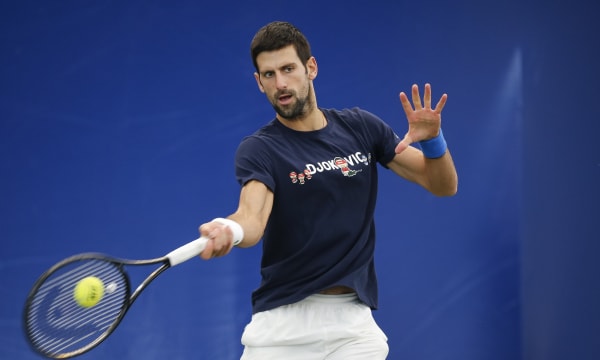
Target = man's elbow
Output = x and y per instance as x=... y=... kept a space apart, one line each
x=447 y=193
x=449 y=189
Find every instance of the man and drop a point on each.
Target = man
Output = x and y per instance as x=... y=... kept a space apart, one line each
x=309 y=187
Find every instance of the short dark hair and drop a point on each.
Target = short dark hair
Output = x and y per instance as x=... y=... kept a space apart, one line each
x=277 y=35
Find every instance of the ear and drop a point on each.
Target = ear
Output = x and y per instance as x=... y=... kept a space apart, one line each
x=260 y=87
x=312 y=68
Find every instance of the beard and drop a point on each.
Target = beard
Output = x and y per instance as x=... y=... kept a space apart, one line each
x=297 y=109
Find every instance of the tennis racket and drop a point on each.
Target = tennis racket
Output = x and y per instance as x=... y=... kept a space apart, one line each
x=58 y=327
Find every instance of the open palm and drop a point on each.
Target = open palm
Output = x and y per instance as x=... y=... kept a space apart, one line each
x=423 y=121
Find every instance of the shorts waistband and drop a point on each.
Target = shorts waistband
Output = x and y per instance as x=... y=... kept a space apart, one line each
x=332 y=299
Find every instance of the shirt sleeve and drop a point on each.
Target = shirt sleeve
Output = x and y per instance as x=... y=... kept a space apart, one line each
x=383 y=136
x=253 y=163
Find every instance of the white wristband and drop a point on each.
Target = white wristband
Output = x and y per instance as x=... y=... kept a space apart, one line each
x=236 y=229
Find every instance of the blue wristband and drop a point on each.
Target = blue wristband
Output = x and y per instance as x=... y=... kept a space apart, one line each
x=434 y=148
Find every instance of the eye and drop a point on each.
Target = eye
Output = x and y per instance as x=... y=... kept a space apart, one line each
x=288 y=69
x=268 y=74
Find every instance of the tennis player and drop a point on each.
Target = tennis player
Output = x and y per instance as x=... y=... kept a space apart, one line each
x=308 y=190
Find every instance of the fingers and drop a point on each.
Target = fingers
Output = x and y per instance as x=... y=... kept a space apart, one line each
x=207 y=253
x=220 y=240
x=416 y=98
x=440 y=105
x=427 y=96
x=405 y=103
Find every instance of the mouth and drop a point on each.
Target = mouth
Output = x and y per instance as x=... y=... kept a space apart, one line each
x=285 y=99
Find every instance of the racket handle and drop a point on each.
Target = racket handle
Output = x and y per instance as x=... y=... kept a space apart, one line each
x=187 y=251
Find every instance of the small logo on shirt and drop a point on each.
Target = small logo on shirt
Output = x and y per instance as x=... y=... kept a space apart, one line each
x=301 y=177
x=342 y=164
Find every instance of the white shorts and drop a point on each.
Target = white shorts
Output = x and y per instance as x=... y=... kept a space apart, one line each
x=332 y=327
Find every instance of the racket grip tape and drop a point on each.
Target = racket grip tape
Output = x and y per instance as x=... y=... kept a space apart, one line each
x=187 y=251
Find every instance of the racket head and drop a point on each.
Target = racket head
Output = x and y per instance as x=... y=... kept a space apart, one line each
x=56 y=326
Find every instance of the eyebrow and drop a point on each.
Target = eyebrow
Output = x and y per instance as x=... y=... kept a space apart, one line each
x=291 y=64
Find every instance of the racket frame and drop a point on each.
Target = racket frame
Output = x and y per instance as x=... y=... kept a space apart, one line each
x=175 y=257
x=129 y=297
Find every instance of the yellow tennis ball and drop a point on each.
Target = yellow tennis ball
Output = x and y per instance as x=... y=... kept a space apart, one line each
x=88 y=291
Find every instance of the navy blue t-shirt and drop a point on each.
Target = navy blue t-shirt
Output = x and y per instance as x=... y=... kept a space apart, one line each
x=321 y=231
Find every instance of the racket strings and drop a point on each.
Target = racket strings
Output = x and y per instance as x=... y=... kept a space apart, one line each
x=57 y=324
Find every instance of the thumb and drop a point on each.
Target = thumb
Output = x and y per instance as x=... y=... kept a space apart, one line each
x=402 y=145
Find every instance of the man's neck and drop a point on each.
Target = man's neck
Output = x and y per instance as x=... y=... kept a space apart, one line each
x=313 y=121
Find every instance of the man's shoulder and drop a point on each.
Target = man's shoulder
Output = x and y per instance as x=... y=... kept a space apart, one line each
x=345 y=112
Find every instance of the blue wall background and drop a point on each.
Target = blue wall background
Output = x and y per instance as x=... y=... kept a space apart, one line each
x=119 y=122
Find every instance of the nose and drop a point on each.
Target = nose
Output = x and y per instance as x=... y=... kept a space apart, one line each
x=280 y=82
